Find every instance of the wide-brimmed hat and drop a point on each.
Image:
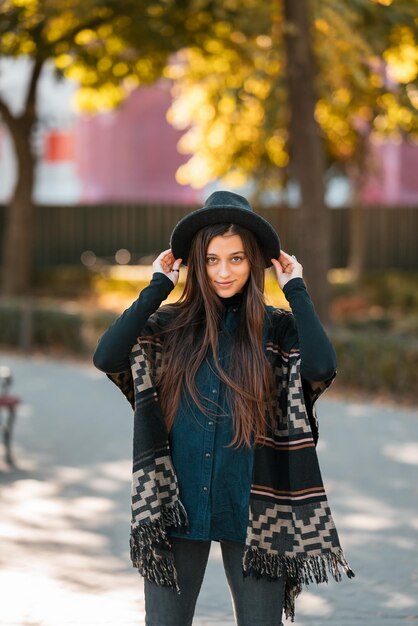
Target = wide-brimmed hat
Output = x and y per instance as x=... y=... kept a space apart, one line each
x=225 y=207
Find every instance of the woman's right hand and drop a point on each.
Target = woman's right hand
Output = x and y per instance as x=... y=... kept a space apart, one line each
x=166 y=263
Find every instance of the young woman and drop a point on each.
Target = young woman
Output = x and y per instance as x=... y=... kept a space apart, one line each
x=223 y=389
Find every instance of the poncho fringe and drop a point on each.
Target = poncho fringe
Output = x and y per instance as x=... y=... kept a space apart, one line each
x=298 y=570
x=148 y=543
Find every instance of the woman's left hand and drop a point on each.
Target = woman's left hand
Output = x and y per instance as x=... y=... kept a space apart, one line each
x=287 y=267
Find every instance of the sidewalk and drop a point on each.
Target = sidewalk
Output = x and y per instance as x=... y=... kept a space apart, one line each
x=64 y=513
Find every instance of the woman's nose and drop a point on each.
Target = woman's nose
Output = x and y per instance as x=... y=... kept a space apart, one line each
x=223 y=270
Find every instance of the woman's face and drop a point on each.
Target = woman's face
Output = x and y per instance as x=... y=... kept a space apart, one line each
x=227 y=265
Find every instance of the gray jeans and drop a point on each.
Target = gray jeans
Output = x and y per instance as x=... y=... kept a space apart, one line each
x=256 y=601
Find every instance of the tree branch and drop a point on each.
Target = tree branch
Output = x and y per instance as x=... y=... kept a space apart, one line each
x=6 y=113
x=31 y=95
x=93 y=23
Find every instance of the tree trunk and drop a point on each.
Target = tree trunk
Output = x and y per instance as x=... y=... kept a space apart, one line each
x=306 y=153
x=357 y=233
x=357 y=240
x=20 y=215
x=19 y=229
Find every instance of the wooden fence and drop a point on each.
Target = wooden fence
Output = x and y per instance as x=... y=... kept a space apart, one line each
x=63 y=233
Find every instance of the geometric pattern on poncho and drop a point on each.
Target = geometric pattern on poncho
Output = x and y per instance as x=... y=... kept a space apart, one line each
x=288 y=386
x=153 y=488
x=284 y=529
x=140 y=371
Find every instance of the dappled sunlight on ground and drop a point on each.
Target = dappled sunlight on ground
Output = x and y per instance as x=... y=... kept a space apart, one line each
x=58 y=548
x=312 y=605
x=367 y=513
x=372 y=464
x=64 y=511
x=47 y=602
x=398 y=600
x=406 y=453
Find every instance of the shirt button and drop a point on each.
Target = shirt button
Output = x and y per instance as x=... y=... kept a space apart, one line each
x=207 y=454
x=214 y=391
x=205 y=488
x=210 y=423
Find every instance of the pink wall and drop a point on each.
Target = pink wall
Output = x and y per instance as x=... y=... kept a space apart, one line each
x=130 y=154
x=396 y=179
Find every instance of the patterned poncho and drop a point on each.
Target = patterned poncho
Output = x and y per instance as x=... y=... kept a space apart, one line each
x=290 y=530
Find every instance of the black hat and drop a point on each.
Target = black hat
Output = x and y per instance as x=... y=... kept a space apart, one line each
x=225 y=207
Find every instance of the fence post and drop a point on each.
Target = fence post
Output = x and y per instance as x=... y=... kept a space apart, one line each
x=26 y=325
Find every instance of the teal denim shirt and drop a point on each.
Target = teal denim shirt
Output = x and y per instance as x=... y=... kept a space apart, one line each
x=214 y=480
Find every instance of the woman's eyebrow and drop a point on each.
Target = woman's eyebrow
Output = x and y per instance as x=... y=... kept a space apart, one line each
x=232 y=253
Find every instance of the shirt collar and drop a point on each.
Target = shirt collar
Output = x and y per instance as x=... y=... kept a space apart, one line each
x=232 y=301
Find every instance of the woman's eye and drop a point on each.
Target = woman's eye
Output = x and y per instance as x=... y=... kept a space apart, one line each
x=212 y=260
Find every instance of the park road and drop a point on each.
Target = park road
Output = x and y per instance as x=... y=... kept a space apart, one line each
x=65 y=509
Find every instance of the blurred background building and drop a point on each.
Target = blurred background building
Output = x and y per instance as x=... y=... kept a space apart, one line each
x=130 y=154
x=127 y=155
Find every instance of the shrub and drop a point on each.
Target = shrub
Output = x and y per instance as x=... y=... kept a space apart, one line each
x=54 y=327
x=377 y=361
x=392 y=288
x=10 y=323
x=64 y=281
x=45 y=327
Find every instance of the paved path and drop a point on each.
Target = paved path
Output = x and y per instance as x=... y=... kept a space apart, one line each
x=64 y=513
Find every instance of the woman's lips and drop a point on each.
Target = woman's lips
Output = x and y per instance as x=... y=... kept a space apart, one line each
x=225 y=284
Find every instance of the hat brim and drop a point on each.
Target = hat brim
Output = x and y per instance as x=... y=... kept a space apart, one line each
x=189 y=225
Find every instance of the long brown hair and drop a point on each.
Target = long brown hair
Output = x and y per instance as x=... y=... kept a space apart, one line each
x=194 y=329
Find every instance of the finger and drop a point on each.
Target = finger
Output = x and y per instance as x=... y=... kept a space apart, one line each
x=177 y=263
x=168 y=257
x=290 y=258
x=277 y=265
x=164 y=252
x=286 y=258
